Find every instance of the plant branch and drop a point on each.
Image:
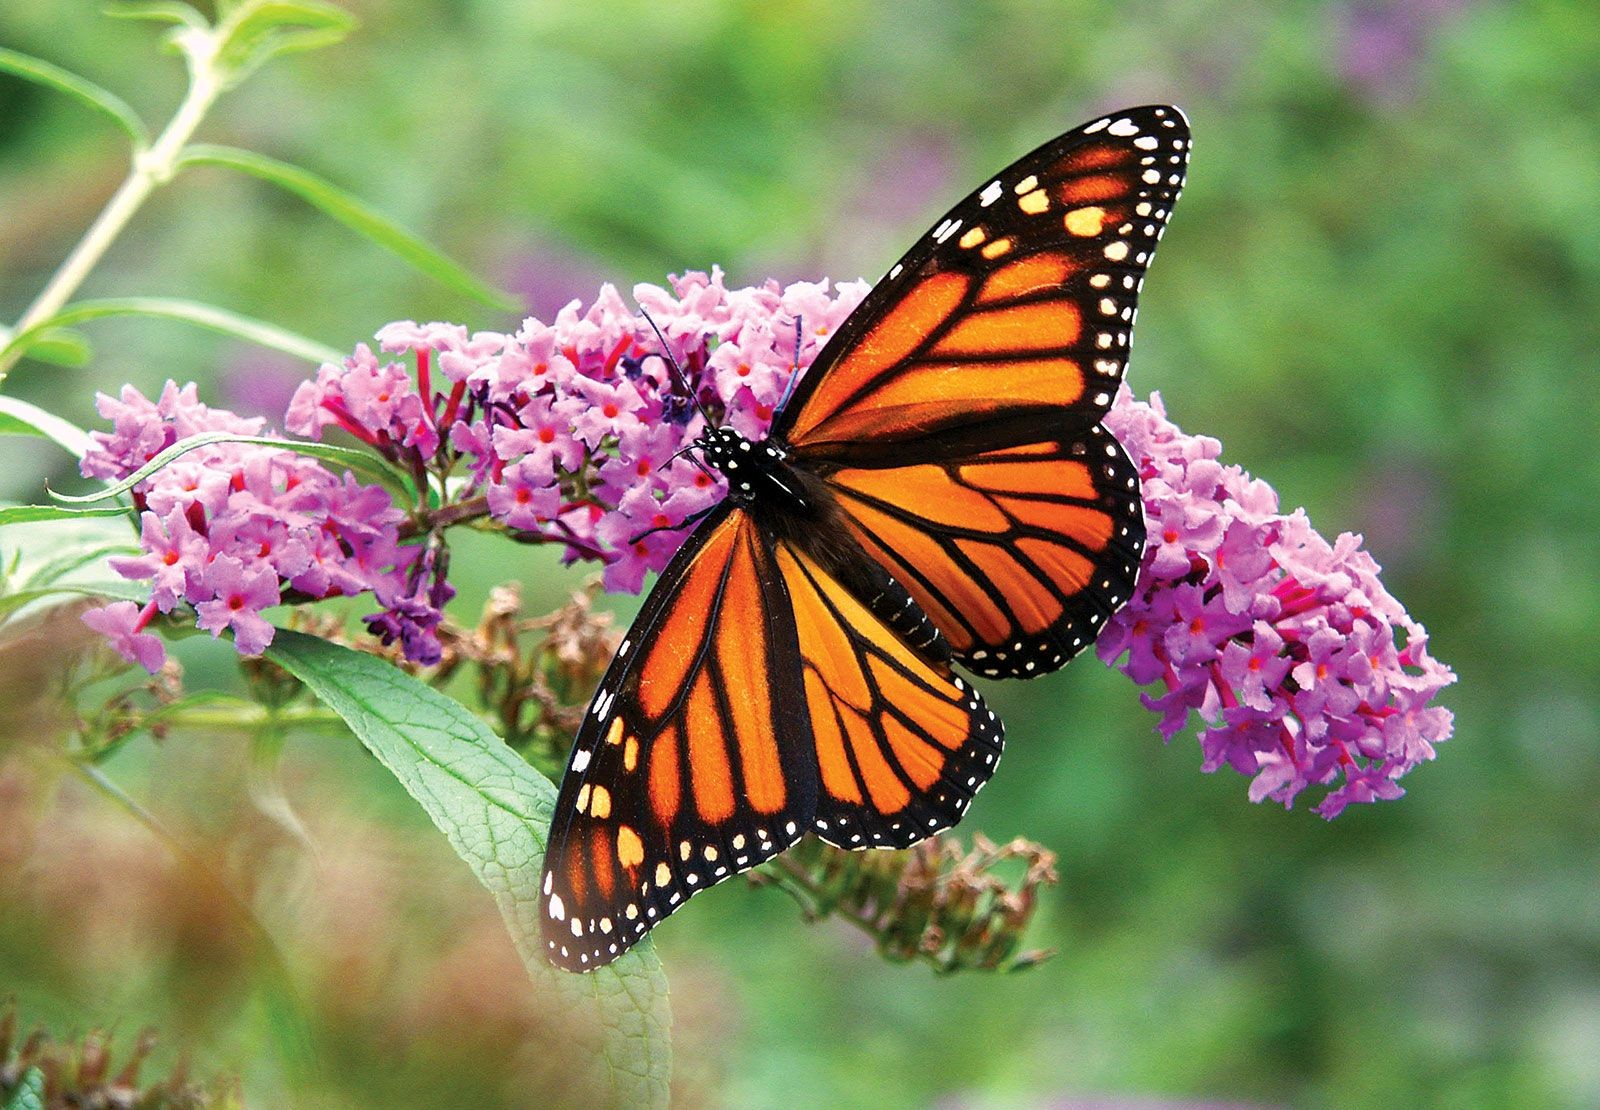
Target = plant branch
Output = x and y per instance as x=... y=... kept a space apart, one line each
x=152 y=167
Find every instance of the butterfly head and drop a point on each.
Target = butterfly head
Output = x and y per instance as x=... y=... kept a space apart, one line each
x=753 y=469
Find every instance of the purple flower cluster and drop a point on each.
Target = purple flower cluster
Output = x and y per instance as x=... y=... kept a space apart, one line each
x=1301 y=665
x=227 y=527
x=568 y=432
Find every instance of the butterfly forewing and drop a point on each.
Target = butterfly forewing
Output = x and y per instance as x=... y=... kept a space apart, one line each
x=1012 y=318
x=956 y=412
x=693 y=762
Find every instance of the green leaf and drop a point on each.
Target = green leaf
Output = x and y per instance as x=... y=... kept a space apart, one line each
x=18 y=418
x=252 y=33
x=192 y=312
x=495 y=810
x=157 y=11
x=60 y=567
x=353 y=213
x=80 y=89
x=29 y=1094
x=357 y=461
x=115 y=591
x=32 y=514
x=61 y=347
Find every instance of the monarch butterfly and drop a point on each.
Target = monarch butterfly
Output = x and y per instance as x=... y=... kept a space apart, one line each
x=938 y=489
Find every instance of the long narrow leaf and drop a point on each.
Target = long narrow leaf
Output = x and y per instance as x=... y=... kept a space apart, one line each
x=33 y=514
x=80 y=89
x=495 y=810
x=353 y=213
x=278 y=27
x=61 y=347
x=115 y=591
x=356 y=461
x=156 y=11
x=191 y=312
x=20 y=418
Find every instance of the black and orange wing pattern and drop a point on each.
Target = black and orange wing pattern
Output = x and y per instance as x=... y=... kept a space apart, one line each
x=901 y=742
x=1013 y=315
x=754 y=699
x=688 y=767
x=771 y=686
x=956 y=412
x=1018 y=555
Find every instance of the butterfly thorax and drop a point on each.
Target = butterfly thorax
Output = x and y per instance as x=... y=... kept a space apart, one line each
x=757 y=473
x=795 y=507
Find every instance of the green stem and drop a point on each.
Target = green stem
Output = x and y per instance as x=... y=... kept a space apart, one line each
x=151 y=168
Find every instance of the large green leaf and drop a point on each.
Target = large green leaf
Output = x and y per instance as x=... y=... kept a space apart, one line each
x=80 y=89
x=353 y=213
x=495 y=810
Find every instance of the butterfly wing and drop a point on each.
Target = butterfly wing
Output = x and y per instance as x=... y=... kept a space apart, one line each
x=755 y=698
x=689 y=766
x=956 y=412
x=1018 y=555
x=901 y=743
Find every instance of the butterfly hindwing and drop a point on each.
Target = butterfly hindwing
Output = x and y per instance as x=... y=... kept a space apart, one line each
x=900 y=741
x=692 y=763
x=1018 y=555
x=1012 y=318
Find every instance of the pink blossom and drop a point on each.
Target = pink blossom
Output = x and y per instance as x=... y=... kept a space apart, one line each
x=241 y=592
x=1303 y=668
x=122 y=623
x=228 y=526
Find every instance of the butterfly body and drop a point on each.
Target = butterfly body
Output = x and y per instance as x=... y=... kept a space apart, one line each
x=937 y=490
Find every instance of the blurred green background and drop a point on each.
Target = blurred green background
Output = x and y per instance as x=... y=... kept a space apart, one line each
x=1381 y=291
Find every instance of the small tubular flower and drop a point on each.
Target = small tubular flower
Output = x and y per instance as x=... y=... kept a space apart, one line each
x=1304 y=670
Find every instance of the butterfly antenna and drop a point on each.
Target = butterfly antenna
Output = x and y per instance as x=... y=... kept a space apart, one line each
x=794 y=375
x=680 y=380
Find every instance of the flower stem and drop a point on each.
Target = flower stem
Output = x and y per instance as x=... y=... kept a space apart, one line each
x=151 y=168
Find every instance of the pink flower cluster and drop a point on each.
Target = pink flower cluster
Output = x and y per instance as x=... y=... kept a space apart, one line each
x=1302 y=666
x=569 y=431
x=227 y=527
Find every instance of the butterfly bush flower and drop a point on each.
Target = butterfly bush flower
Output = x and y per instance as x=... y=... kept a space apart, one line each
x=230 y=528
x=1302 y=668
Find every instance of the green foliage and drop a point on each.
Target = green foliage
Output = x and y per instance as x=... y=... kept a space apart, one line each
x=174 y=308
x=495 y=810
x=29 y=1094
x=351 y=212
x=85 y=92
x=18 y=417
x=363 y=463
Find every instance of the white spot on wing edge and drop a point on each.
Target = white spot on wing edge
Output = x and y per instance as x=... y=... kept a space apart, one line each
x=991 y=193
x=580 y=759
